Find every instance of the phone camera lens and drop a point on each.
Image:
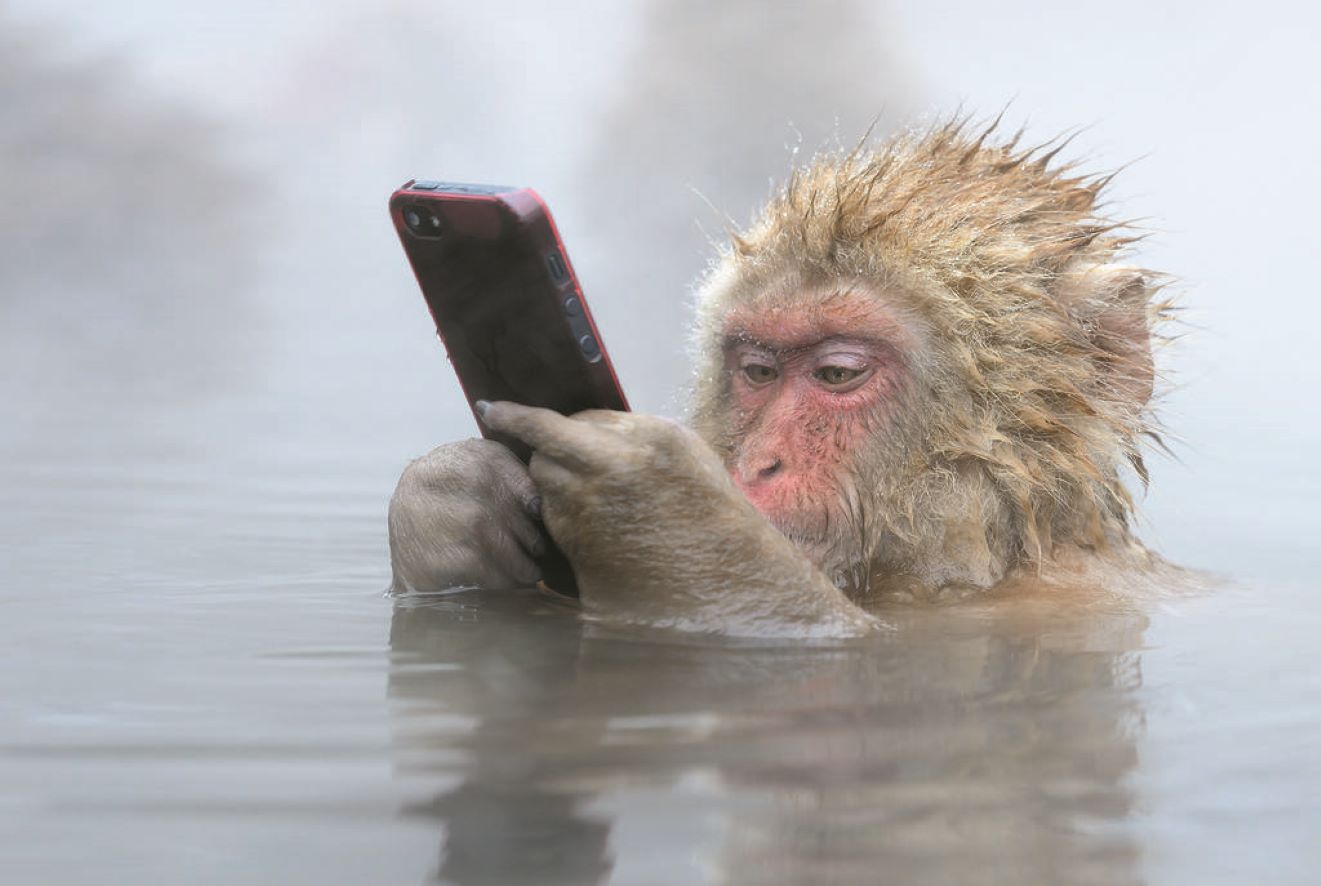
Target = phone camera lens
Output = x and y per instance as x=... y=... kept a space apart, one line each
x=421 y=221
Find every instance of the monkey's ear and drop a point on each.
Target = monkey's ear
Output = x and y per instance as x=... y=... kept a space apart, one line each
x=1121 y=331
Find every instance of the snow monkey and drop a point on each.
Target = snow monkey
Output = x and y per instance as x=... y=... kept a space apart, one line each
x=921 y=372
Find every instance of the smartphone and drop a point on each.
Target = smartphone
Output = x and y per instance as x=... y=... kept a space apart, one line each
x=507 y=306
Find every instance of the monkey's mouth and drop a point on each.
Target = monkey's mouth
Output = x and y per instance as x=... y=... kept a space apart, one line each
x=809 y=530
x=830 y=537
x=817 y=517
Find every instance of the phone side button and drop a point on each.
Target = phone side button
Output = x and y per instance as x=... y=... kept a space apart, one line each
x=558 y=272
x=573 y=307
x=590 y=349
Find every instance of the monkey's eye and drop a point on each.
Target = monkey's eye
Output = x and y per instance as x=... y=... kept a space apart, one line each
x=836 y=376
x=759 y=373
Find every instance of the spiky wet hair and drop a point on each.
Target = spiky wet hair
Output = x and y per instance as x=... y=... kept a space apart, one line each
x=1038 y=329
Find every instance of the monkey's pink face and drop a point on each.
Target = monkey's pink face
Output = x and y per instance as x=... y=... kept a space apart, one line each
x=811 y=386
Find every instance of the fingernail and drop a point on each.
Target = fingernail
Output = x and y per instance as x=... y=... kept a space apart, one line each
x=534 y=506
x=481 y=406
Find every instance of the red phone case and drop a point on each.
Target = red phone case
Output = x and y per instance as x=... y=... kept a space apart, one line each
x=507 y=306
x=514 y=330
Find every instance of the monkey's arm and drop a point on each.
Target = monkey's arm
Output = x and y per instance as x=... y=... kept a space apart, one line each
x=659 y=535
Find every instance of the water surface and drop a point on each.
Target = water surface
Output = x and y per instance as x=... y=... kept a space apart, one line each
x=202 y=682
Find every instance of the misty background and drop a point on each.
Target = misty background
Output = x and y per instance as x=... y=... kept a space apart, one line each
x=215 y=361
x=200 y=290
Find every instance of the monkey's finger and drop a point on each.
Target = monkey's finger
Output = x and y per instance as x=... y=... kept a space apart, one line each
x=516 y=479
x=553 y=477
x=607 y=419
x=529 y=535
x=545 y=430
x=507 y=558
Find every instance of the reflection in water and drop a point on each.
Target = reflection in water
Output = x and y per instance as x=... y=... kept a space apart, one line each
x=512 y=662
x=977 y=743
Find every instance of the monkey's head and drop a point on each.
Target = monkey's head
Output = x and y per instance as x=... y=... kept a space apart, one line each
x=930 y=360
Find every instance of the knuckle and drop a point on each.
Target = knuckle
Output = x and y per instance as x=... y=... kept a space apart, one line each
x=490 y=452
x=440 y=463
x=465 y=465
x=546 y=474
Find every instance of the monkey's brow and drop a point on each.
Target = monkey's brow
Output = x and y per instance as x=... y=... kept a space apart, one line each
x=780 y=349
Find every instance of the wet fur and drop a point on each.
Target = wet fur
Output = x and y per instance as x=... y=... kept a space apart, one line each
x=1033 y=380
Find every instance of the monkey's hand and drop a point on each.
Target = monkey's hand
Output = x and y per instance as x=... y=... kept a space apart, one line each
x=463 y=515
x=659 y=535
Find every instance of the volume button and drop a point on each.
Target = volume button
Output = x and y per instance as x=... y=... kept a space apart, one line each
x=590 y=350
